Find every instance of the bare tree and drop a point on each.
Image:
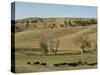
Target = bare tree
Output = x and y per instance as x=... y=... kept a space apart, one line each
x=94 y=45
x=27 y=24
x=44 y=46
x=83 y=43
x=54 y=44
x=49 y=45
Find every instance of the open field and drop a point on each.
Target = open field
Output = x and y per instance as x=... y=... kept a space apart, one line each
x=22 y=59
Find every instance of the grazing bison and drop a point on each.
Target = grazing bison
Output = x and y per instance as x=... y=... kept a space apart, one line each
x=92 y=64
x=73 y=64
x=80 y=62
x=85 y=63
x=65 y=63
x=28 y=62
x=62 y=63
x=44 y=64
x=36 y=63
x=57 y=65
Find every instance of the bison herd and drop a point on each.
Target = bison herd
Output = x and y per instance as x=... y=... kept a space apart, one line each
x=37 y=63
x=73 y=64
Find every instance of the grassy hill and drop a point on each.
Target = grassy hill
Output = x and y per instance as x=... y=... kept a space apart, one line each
x=30 y=38
x=29 y=31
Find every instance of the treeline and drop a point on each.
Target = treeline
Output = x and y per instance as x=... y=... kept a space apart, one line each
x=24 y=24
x=80 y=22
x=15 y=28
x=67 y=21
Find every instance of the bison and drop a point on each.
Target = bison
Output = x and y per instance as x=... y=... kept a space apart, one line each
x=57 y=65
x=73 y=64
x=44 y=64
x=28 y=62
x=36 y=63
x=92 y=64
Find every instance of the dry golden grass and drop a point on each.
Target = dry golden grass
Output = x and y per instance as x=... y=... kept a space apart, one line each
x=30 y=38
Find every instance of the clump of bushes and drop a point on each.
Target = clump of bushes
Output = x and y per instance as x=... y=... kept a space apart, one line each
x=84 y=43
x=49 y=45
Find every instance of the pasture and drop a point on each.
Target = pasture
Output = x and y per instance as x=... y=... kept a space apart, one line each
x=22 y=58
x=28 y=52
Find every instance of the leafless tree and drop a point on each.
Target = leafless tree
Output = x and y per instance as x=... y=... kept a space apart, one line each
x=44 y=46
x=49 y=45
x=83 y=43
x=53 y=46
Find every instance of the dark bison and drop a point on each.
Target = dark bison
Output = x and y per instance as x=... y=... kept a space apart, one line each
x=44 y=64
x=92 y=64
x=85 y=63
x=80 y=62
x=63 y=63
x=28 y=62
x=73 y=64
x=36 y=63
x=57 y=65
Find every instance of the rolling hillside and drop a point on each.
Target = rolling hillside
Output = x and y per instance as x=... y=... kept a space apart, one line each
x=30 y=38
x=27 y=44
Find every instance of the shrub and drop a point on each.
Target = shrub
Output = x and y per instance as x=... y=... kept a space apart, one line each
x=49 y=45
